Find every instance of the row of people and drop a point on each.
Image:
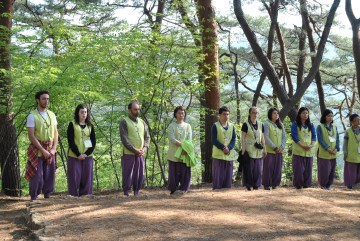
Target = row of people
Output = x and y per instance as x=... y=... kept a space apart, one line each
x=262 y=146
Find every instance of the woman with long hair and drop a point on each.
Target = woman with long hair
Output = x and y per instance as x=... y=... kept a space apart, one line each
x=253 y=142
x=82 y=142
x=304 y=137
x=275 y=140
x=329 y=145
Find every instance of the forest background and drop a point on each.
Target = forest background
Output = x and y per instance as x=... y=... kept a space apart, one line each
x=166 y=53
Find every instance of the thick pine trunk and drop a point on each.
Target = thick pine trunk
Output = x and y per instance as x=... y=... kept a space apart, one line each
x=210 y=72
x=355 y=24
x=10 y=169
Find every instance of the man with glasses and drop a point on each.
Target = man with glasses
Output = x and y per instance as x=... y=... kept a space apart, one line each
x=135 y=141
x=43 y=134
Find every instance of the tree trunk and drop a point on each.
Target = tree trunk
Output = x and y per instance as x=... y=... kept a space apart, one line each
x=9 y=158
x=210 y=72
x=312 y=46
x=355 y=24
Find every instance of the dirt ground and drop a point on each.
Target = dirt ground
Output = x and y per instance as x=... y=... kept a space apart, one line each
x=201 y=214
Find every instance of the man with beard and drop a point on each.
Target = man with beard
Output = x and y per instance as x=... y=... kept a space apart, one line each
x=43 y=134
x=135 y=140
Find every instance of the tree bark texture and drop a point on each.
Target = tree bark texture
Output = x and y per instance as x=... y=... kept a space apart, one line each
x=9 y=158
x=210 y=72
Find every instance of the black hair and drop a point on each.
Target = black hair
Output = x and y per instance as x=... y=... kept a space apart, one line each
x=179 y=108
x=298 y=118
x=353 y=116
x=76 y=114
x=40 y=93
x=278 y=121
x=131 y=103
x=223 y=109
x=324 y=114
x=250 y=109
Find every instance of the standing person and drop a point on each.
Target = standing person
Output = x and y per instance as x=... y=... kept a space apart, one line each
x=82 y=142
x=223 y=135
x=304 y=137
x=351 y=148
x=43 y=134
x=329 y=145
x=275 y=140
x=179 y=131
x=135 y=140
x=253 y=142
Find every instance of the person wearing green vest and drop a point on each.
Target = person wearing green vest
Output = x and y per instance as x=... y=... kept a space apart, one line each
x=135 y=142
x=275 y=140
x=303 y=135
x=179 y=175
x=223 y=136
x=43 y=134
x=329 y=145
x=82 y=142
x=253 y=143
x=351 y=149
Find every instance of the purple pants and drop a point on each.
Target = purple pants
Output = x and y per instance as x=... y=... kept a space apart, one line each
x=132 y=173
x=302 y=171
x=222 y=172
x=351 y=174
x=44 y=180
x=272 y=170
x=178 y=173
x=80 y=176
x=252 y=173
x=326 y=171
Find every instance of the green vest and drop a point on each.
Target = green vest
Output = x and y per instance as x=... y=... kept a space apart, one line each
x=250 y=140
x=44 y=128
x=180 y=133
x=324 y=154
x=224 y=137
x=275 y=135
x=353 y=145
x=136 y=132
x=80 y=135
x=305 y=137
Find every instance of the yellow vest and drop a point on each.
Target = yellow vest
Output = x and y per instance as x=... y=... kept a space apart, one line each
x=326 y=137
x=44 y=127
x=136 y=132
x=224 y=137
x=80 y=135
x=352 y=147
x=275 y=135
x=250 y=140
x=305 y=137
x=180 y=133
